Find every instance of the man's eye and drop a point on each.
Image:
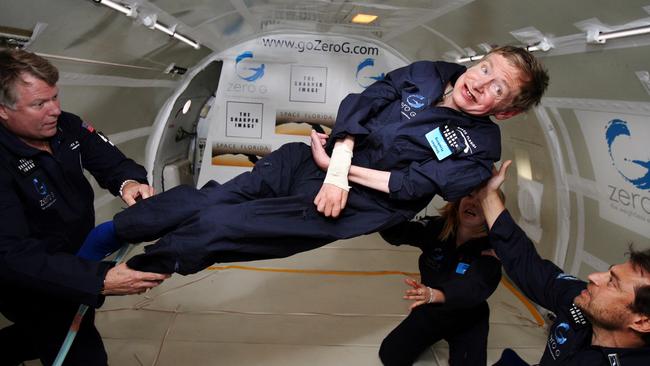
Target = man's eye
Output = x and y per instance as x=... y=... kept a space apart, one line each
x=497 y=90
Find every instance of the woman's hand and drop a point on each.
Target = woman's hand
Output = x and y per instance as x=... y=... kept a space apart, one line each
x=421 y=294
x=321 y=158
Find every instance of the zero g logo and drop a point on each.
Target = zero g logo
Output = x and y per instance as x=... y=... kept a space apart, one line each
x=47 y=197
x=627 y=155
x=560 y=333
x=39 y=187
x=557 y=338
x=415 y=101
x=247 y=70
x=365 y=75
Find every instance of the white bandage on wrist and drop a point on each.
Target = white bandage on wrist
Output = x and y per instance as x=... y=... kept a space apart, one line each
x=430 y=295
x=337 y=173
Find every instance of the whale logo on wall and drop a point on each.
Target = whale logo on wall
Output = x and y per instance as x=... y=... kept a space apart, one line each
x=634 y=170
x=364 y=74
x=244 y=69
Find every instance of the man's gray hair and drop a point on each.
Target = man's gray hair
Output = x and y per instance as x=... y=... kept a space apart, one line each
x=14 y=63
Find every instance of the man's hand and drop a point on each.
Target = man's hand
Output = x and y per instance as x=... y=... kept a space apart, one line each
x=321 y=158
x=132 y=190
x=488 y=194
x=331 y=200
x=122 y=280
x=494 y=183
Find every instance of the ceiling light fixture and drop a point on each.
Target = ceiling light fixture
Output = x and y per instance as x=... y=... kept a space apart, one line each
x=543 y=45
x=462 y=60
x=115 y=6
x=14 y=37
x=149 y=21
x=596 y=36
x=364 y=18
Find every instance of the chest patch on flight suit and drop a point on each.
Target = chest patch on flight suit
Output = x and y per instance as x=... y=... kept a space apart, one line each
x=613 y=359
x=446 y=141
x=29 y=169
x=47 y=197
x=461 y=268
x=577 y=316
x=26 y=166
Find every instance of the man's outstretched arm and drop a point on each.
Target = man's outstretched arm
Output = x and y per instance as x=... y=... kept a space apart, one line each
x=539 y=279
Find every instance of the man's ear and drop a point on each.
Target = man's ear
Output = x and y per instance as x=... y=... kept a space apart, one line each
x=3 y=113
x=507 y=114
x=640 y=323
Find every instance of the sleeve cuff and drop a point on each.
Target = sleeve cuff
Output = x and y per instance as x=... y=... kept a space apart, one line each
x=452 y=293
x=102 y=270
x=503 y=227
x=395 y=183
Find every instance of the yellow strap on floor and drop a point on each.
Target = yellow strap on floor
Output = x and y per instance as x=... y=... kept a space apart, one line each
x=531 y=308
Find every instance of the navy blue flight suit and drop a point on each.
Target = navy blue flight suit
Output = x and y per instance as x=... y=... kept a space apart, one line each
x=269 y=212
x=46 y=211
x=467 y=279
x=569 y=339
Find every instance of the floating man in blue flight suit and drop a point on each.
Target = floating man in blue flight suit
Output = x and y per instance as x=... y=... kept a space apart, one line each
x=423 y=130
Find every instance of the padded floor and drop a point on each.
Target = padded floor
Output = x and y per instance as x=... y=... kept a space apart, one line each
x=331 y=306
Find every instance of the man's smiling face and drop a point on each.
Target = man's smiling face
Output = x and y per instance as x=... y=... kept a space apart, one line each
x=488 y=88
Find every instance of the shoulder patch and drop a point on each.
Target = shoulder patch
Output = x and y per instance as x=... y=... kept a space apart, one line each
x=566 y=276
x=461 y=268
x=87 y=126
x=103 y=137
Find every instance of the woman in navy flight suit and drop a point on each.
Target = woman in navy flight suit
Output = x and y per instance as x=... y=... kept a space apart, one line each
x=423 y=130
x=458 y=273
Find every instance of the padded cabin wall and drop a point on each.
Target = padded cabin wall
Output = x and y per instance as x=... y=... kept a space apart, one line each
x=604 y=218
x=524 y=133
x=275 y=88
x=607 y=210
x=117 y=102
x=115 y=111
